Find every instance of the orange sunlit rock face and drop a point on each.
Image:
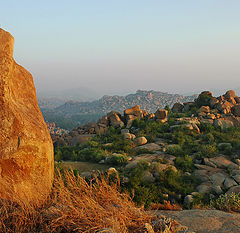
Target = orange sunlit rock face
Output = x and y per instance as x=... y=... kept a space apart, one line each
x=26 y=151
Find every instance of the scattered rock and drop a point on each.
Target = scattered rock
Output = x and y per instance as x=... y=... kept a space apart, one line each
x=161 y=114
x=228 y=183
x=150 y=147
x=188 y=199
x=115 y=119
x=140 y=141
x=217 y=179
x=177 y=107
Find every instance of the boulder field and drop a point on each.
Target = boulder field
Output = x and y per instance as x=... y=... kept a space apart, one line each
x=26 y=150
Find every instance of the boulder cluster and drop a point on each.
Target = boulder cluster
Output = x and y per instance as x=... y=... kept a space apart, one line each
x=223 y=111
x=218 y=175
x=114 y=119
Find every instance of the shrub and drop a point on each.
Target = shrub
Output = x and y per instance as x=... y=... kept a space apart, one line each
x=174 y=150
x=208 y=150
x=184 y=163
x=227 y=202
x=143 y=151
x=117 y=159
x=225 y=148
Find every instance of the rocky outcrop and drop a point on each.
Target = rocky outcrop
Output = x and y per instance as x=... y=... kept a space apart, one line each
x=26 y=151
x=161 y=115
x=222 y=111
x=206 y=221
x=217 y=175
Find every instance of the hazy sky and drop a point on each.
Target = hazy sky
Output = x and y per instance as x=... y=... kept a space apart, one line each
x=120 y=46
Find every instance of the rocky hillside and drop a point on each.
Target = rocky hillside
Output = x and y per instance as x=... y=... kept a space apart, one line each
x=189 y=154
x=222 y=111
x=73 y=113
x=148 y=100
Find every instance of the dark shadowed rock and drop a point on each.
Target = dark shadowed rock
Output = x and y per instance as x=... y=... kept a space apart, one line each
x=177 y=107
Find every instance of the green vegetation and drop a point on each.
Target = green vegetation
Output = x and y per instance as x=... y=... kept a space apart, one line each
x=227 y=202
x=69 y=122
x=150 y=181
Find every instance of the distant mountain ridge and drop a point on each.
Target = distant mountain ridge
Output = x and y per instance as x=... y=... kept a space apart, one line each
x=74 y=113
x=149 y=100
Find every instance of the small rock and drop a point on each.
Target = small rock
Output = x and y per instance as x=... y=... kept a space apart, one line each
x=229 y=182
x=112 y=170
x=148 y=228
x=204 y=188
x=140 y=141
x=217 y=178
x=188 y=199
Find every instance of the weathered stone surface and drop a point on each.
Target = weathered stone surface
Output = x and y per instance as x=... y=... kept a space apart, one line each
x=213 y=102
x=223 y=123
x=206 y=221
x=221 y=162
x=234 y=189
x=129 y=136
x=150 y=147
x=188 y=199
x=26 y=150
x=228 y=183
x=205 y=109
x=224 y=106
x=205 y=187
x=140 y=141
x=115 y=119
x=177 y=107
x=237 y=178
x=161 y=114
x=230 y=94
x=217 y=179
x=132 y=111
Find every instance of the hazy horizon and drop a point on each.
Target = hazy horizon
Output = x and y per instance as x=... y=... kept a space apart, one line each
x=120 y=47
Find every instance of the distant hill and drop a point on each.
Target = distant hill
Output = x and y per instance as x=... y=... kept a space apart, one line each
x=148 y=100
x=49 y=99
x=74 y=113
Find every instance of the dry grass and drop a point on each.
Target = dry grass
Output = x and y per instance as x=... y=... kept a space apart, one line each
x=76 y=206
x=166 y=206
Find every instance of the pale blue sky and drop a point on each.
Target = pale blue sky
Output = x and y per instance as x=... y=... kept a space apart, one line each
x=121 y=46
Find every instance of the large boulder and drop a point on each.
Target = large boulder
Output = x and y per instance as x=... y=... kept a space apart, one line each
x=224 y=107
x=230 y=94
x=133 y=111
x=177 y=107
x=132 y=114
x=140 y=141
x=26 y=149
x=224 y=123
x=161 y=114
x=115 y=119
